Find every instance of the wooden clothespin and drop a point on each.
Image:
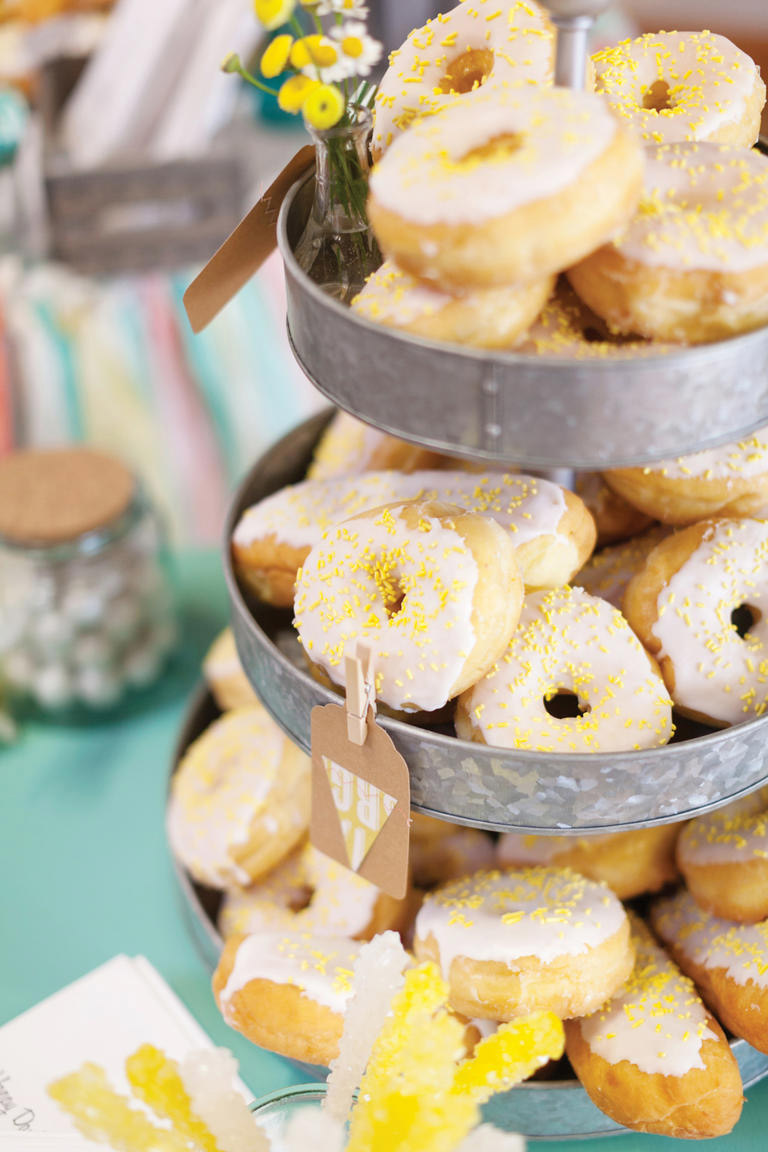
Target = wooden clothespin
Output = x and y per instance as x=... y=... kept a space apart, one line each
x=361 y=692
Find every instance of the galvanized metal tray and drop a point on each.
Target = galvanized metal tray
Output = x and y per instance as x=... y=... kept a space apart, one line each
x=471 y=783
x=536 y=411
x=541 y=1110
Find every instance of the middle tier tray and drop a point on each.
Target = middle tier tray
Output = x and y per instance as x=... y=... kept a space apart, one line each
x=467 y=783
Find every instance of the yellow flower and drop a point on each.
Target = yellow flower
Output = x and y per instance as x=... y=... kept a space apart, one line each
x=323 y=106
x=313 y=50
x=294 y=92
x=273 y=13
x=352 y=46
x=274 y=60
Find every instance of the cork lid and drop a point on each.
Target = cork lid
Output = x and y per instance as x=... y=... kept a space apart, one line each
x=50 y=496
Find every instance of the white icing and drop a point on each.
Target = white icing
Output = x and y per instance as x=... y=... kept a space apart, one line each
x=656 y=1021
x=516 y=848
x=608 y=572
x=710 y=82
x=393 y=296
x=718 y=673
x=347 y=446
x=320 y=966
x=222 y=784
x=340 y=903
x=704 y=206
x=744 y=459
x=429 y=176
x=737 y=832
x=507 y=916
x=341 y=595
x=519 y=35
x=740 y=949
x=568 y=640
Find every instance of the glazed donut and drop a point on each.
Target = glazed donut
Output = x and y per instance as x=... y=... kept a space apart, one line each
x=653 y=1058
x=485 y=318
x=699 y=606
x=505 y=188
x=724 y=858
x=287 y=992
x=683 y=86
x=615 y=518
x=729 y=962
x=239 y=799
x=551 y=530
x=629 y=863
x=731 y=480
x=309 y=892
x=608 y=572
x=224 y=674
x=571 y=646
x=510 y=943
x=692 y=265
x=459 y=852
x=435 y=591
x=347 y=446
x=477 y=45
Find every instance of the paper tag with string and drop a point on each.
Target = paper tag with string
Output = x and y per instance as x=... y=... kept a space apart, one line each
x=361 y=796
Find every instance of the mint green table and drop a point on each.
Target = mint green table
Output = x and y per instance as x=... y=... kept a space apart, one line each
x=85 y=874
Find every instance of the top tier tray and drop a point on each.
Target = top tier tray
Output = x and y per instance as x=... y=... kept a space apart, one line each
x=535 y=411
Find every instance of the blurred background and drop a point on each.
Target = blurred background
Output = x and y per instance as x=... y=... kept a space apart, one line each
x=126 y=157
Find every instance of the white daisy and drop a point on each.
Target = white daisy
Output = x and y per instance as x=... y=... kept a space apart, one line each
x=355 y=8
x=357 y=46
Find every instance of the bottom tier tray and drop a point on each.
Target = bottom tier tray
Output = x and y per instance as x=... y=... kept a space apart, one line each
x=541 y=1110
x=474 y=784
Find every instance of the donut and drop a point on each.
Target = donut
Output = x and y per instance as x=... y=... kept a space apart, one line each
x=478 y=45
x=615 y=518
x=458 y=852
x=653 y=1058
x=287 y=992
x=309 y=892
x=574 y=678
x=505 y=188
x=699 y=605
x=551 y=530
x=683 y=86
x=435 y=592
x=224 y=674
x=724 y=859
x=515 y=942
x=731 y=480
x=347 y=446
x=484 y=318
x=608 y=572
x=692 y=265
x=629 y=863
x=239 y=800
x=729 y=962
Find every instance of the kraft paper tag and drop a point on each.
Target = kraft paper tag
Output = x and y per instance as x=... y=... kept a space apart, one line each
x=243 y=253
x=360 y=800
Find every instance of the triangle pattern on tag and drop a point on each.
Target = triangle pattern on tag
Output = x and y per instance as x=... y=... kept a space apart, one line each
x=363 y=810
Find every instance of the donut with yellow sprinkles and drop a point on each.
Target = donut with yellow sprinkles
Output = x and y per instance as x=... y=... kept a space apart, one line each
x=683 y=86
x=574 y=678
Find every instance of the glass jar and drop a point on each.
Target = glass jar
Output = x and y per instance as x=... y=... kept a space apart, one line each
x=275 y=1111
x=86 y=608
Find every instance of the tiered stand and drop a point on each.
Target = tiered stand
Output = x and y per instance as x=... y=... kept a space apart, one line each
x=537 y=413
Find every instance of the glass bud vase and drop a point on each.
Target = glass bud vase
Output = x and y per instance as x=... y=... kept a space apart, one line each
x=337 y=248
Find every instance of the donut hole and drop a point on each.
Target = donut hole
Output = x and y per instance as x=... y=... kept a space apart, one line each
x=498 y=148
x=394 y=602
x=467 y=71
x=658 y=98
x=593 y=335
x=744 y=618
x=301 y=898
x=565 y=705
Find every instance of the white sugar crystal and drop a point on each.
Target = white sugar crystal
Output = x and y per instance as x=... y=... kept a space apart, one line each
x=486 y=1138
x=377 y=977
x=208 y=1078
x=312 y=1128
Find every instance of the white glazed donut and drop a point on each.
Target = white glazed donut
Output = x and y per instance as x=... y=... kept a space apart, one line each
x=514 y=942
x=478 y=44
x=348 y=447
x=608 y=572
x=505 y=188
x=692 y=265
x=681 y=605
x=569 y=642
x=434 y=591
x=683 y=86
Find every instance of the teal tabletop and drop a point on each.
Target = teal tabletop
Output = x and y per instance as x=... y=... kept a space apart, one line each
x=86 y=873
